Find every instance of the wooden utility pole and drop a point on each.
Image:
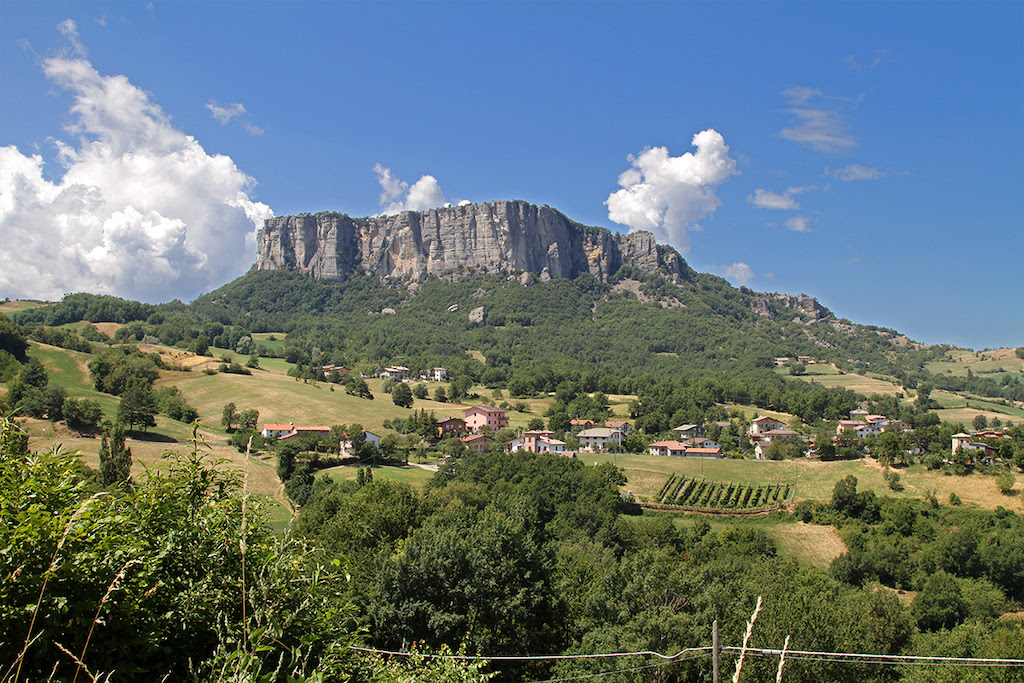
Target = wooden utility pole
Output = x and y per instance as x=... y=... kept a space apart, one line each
x=714 y=651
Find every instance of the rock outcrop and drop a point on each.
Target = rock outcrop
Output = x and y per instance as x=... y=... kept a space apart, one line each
x=494 y=237
x=807 y=305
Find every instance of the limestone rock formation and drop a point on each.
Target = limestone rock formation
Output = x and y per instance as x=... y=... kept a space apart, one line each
x=807 y=305
x=494 y=237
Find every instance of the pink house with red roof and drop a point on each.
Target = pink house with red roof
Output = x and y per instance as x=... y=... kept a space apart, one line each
x=478 y=417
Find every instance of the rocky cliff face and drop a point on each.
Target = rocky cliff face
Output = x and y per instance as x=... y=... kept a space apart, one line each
x=807 y=305
x=495 y=237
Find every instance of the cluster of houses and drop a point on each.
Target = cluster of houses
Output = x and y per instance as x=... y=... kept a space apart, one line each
x=283 y=432
x=692 y=445
x=592 y=438
x=784 y=361
x=400 y=373
x=865 y=424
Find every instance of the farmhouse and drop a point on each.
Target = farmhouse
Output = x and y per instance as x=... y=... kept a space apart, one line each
x=598 y=438
x=450 y=426
x=764 y=440
x=397 y=372
x=764 y=424
x=345 y=447
x=667 y=448
x=623 y=426
x=478 y=443
x=288 y=431
x=539 y=441
x=583 y=424
x=688 y=431
x=438 y=375
x=478 y=417
x=963 y=442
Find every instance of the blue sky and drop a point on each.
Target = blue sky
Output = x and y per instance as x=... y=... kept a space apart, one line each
x=868 y=154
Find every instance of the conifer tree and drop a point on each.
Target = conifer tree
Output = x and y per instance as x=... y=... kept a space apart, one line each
x=115 y=457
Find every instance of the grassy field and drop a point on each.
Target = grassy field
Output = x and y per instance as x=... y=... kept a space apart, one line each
x=19 y=305
x=990 y=363
x=410 y=474
x=828 y=376
x=751 y=412
x=814 y=479
x=957 y=408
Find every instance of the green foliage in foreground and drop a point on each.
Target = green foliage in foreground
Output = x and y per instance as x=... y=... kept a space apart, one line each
x=174 y=578
x=520 y=554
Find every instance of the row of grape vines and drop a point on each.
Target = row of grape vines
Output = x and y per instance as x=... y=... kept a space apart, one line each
x=700 y=494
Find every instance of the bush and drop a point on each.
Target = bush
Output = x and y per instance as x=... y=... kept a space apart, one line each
x=1005 y=482
x=892 y=478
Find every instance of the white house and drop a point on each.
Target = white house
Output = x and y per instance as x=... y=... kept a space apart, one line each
x=598 y=438
x=398 y=372
x=539 y=441
x=345 y=447
x=438 y=375
x=290 y=430
x=765 y=424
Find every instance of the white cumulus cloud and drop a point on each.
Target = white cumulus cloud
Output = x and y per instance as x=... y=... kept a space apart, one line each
x=397 y=195
x=668 y=195
x=141 y=211
x=738 y=272
x=857 y=172
x=799 y=224
x=766 y=199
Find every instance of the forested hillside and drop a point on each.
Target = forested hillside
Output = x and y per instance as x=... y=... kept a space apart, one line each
x=616 y=337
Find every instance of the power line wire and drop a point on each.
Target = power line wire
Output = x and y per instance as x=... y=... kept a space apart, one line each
x=805 y=655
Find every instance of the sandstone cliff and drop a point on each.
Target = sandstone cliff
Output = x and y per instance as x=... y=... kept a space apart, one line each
x=494 y=237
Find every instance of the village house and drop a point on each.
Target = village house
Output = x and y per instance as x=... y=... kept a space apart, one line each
x=539 y=441
x=765 y=424
x=765 y=439
x=288 y=431
x=701 y=442
x=989 y=434
x=478 y=417
x=345 y=447
x=450 y=426
x=688 y=431
x=963 y=442
x=681 y=449
x=781 y=362
x=667 y=448
x=623 y=426
x=396 y=372
x=581 y=423
x=478 y=443
x=599 y=438
x=438 y=375
x=879 y=421
x=860 y=428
